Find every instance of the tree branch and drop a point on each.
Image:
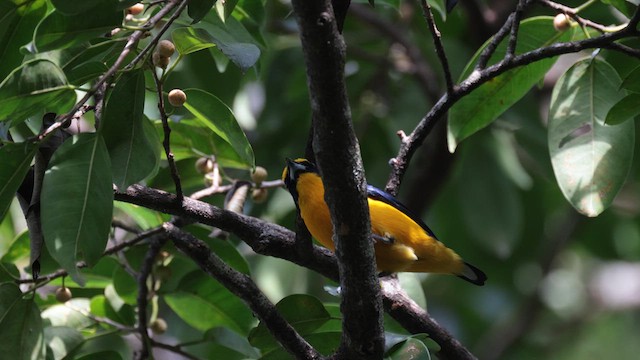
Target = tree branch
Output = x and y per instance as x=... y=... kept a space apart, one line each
x=338 y=157
x=243 y=287
x=479 y=77
x=274 y=240
x=437 y=42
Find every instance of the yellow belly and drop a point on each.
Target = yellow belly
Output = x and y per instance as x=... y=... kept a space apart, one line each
x=412 y=250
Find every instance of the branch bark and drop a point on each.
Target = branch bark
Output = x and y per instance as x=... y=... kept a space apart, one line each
x=337 y=155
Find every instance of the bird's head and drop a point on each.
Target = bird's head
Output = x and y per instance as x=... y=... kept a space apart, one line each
x=293 y=170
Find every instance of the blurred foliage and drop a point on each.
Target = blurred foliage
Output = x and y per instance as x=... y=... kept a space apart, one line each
x=561 y=285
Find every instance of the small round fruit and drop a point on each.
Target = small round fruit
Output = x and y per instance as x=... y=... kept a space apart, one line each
x=204 y=165
x=63 y=294
x=259 y=175
x=177 y=97
x=160 y=61
x=259 y=195
x=159 y=326
x=135 y=9
x=165 y=48
x=561 y=22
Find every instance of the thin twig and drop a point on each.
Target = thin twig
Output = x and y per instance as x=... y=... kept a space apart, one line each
x=437 y=42
x=173 y=348
x=513 y=37
x=143 y=293
x=81 y=264
x=156 y=38
x=166 y=143
x=573 y=14
x=210 y=191
x=479 y=77
x=130 y=45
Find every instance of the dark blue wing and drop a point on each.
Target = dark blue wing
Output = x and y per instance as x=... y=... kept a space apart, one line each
x=380 y=195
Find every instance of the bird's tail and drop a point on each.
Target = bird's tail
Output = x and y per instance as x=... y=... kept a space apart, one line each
x=472 y=274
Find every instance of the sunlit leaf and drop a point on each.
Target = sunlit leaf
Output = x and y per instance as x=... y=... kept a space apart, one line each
x=37 y=86
x=77 y=202
x=61 y=340
x=483 y=105
x=133 y=155
x=188 y=40
x=16 y=159
x=591 y=160
x=214 y=114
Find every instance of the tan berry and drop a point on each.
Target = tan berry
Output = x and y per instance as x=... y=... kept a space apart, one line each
x=160 y=61
x=63 y=294
x=561 y=22
x=135 y=9
x=204 y=165
x=259 y=195
x=159 y=326
x=165 y=48
x=177 y=97
x=259 y=175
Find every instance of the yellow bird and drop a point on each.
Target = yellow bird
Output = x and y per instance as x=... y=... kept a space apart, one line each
x=403 y=243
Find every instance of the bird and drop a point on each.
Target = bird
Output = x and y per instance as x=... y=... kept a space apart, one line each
x=402 y=241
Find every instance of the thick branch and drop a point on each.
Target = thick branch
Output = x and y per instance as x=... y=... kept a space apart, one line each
x=274 y=240
x=338 y=157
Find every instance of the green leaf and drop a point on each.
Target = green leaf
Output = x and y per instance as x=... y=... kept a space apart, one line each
x=59 y=31
x=85 y=72
x=67 y=7
x=304 y=312
x=77 y=202
x=106 y=346
x=225 y=8
x=214 y=114
x=231 y=340
x=16 y=160
x=197 y=9
x=324 y=342
x=125 y=286
x=100 y=306
x=204 y=303
x=37 y=86
x=627 y=7
x=16 y=29
x=623 y=110
x=20 y=325
x=631 y=82
x=591 y=160
x=411 y=349
x=189 y=40
x=61 y=340
x=483 y=105
x=233 y=40
x=69 y=314
x=133 y=156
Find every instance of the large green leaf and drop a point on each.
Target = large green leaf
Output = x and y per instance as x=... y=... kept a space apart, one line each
x=133 y=155
x=631 y=82
x=59 y=31
x=190 y=39
x=16 y=159
x=591 y=160
x=16 y=29
x=483 y=105
x=61 y=340
x=233 y=40
x=37 y=86
x=77 y=202
x=20 y=325
x=214 y=114
x=204 y=303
